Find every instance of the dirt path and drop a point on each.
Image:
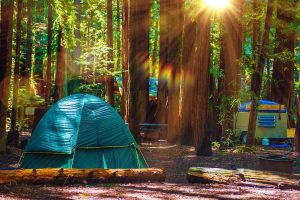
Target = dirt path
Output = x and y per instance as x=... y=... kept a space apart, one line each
x=146 y=191
x=175 y=161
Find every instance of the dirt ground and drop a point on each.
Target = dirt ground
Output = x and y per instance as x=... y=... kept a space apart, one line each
x=175 y=161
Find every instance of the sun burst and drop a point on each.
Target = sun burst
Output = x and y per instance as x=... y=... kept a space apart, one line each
x=217 y=4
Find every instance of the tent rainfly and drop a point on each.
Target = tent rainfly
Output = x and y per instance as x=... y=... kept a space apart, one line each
x=82 y=131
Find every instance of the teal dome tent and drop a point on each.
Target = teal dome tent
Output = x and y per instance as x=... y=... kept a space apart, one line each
x=82 y=131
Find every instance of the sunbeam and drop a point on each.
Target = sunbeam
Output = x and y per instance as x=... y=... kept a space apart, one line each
x=217 y=4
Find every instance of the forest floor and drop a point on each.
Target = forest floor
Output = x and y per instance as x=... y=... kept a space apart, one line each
x=175 y=160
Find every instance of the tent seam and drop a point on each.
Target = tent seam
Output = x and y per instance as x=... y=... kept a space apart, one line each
x=74 y=150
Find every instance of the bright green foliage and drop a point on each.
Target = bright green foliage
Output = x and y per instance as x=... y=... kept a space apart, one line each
x=154 y=37
x=67 y=20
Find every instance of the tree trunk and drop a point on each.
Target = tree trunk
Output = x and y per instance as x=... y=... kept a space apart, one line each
x=220 y=97
x=232 y=52
x=297 y=133
x=119 y=35
x=175 y=21
x=188 y=69
x=60 y=68
x=25 y=72
x=162 y=89
x=213 y=124
x=244 y=177
x=38 y=54
x=138 y=77
x=200 y=99
x=282 y=90
x=80 y=176
x=17 y=67
x=77 y=51
x=5 y=64
x=125 y=49
x=49 y=54
x=256 y=36
x=110 y=56
x=257 y=75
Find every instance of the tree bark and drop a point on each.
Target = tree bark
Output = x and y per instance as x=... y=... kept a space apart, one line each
x=60 y=68
x=6 y=28
x=49 y=54
x=282 y=87
x=213 y=123
x=220 y=96
x=125 y=49
x=77 y=51
x=256 y=36
x=119 y=35
x=297 y=133
x=38 y=54
x=17 y=67
x=232 y=52
x=110 y=56
x=138 y=77
x=82 y=176
x=188 y=69
x=162 y=89
x=25 y=72
x=200 y=99
x=257 y=74
x=243 y=177
x=175 y=20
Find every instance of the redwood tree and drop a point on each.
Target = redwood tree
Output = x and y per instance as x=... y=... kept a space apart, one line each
x=282 y=87
x=201 y=91
x=38 y=52
x=175 y=32
x=118 y=43
x=17 y=66
x=26 y=69
x=125 y=49
x=297 y=133
x=256 y=79
x=256 y=36
x=162 y=90
x=188 y=69
x=60 y=68
x=138 y=76
x=110 y=65
x=77 y=50
x=231 y=51
x=49 y=54
x=6 y=28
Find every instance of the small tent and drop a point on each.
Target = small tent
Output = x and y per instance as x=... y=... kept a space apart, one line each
x=82 y=131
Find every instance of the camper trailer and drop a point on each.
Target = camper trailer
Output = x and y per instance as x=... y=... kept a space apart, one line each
x=271 y=120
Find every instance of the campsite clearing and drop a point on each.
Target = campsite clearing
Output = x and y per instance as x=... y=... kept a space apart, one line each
x=175 y=161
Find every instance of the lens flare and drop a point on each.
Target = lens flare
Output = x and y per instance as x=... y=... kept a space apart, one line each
x=217 y=4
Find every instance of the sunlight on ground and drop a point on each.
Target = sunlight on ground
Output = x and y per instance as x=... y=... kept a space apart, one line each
x=160 y=147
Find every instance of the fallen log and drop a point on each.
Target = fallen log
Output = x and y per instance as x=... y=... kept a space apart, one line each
x=244 y=177
x=79 y=176
x=211 y=175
